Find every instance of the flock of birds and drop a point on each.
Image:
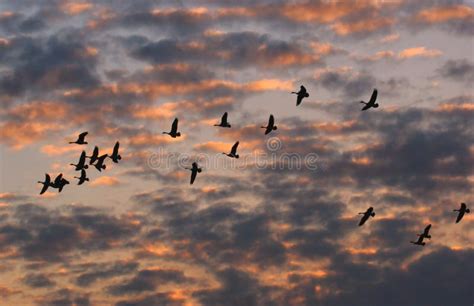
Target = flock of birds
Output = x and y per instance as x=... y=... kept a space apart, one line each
x=98 y=161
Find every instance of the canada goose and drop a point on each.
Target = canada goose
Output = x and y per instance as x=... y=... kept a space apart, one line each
x=82 y=178
x=224 y=122
x=270 y=126
x=82 y=162
x=80 y=139
x=115 y=156
x=99 y=165
x=461 y=211
x=94 y=156
x=419 y=241
x=300 y=95
x=369 y=213
x=194 y=171
x=233 y=151
x=426 y=232
x=174 y=129
x=371 y=102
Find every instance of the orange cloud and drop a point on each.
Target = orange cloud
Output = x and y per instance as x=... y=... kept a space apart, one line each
x=445 y=13
x=75 y=8
x=164 y=111
x=419 y=52
x=215 y=146
x=105 y=181
x=366 y=25
x=390 y=38
x=52 y=150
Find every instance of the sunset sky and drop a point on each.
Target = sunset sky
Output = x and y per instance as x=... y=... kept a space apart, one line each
x=279 y=225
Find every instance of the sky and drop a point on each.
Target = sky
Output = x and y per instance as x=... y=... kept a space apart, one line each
x=279 y=225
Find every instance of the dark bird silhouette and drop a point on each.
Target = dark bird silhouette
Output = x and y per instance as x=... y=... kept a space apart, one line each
x=371 y=102
x=94 y=156
x=194 y=171
x=463 y=210
x=233 y=151
x=99 y=165
x=270 y=126
x=419 y=241
x=368 y=213
x=59 y=182
x=174 y=129
x=426 y=232
x=224 y=122
x=46 y=183
x=80 y=139
x=115 y=156
x=300 y=95
x=82 y=162
x=82 y=178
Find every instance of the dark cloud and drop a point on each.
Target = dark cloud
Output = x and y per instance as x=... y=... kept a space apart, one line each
x=38 y=281
x=161 y=299
x=458 y=70
x=105 y=272
x=66 y=297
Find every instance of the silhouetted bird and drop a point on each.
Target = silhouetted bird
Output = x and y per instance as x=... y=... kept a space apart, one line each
x=99 y=165
x=59 y=182
x=300 y=95
x=82 y=178
x=115 y=156
x=368 y=213
x=371 y=102
x=419 y=241
x=82 y=162
x=224 y=122
x=46 y=183
x=233 y=151
x=270 y=126
x=80 y=139
x=174 y=129
x=462 y=211
x=194 y=171
x=426 y=232
x=94 y=156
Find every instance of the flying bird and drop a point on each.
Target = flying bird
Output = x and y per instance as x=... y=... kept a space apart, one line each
x=233 y=151
x=371 y=102
x=80 y=139
x=82 y=162
x=115 y=156
x=368 y=213
x=300 y=95
x=82 y=178
x=194 y=171
x=99 y=165
x=461 y=211
x=174 y=129
x=59 y=182
x=46 y=183
x=224 y=122
x=419 y=241
x=426 y=232
x=94 y=156
x=270 y=126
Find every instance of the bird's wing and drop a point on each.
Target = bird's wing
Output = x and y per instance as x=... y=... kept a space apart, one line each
x=234 y=148
x=463 y=205
x=302 y=88
x=174 y=126
x=299 y=99
x=271 y=121
x=224 y=117
x=83 y=135
x=459 y=217
x=193 y=175
x=427 y=229
x=116 y=147
x=373 y=97
x=58 y=178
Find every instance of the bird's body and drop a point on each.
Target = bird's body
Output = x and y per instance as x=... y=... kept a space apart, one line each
x=99 y=165
x=194 y=171
x=115 y=156
x=426 y=232
x=174 y=129
x=224 y=122
x=300 y=95
x=419 y=241
x=82 y=162
x=80 y=139
x=270 y=126
x=94 y=156
x=371 y=102
x=463 y=210
x=59 y=182
x=46 y=183
x=369 y=213
x=82 y=178
x=233 y=151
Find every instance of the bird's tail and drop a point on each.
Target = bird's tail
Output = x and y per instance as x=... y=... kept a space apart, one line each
x=274 y=128
x=236 y=155
x=468 y=211
x=72 y=142
x=178 y=134
x=199 y=170
x=165 y=133
x=294 y=92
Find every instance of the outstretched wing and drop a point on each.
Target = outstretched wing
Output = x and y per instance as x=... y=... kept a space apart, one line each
x=116 y=148
x=271 y=121
x=302 y=89
x=460 y=215
x=299 y=98
x=174 y=126
x=193 y=176
x=83 y=135
x=427 y=229
x=224 y=118
x=373 y=98
x=57 y=180
x=463 y=206
x=234 y=148
x=364 y=218
x=47 y=181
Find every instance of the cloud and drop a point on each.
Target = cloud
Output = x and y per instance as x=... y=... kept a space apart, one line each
x=418 y=52
x=457 y=70
x=105 y=181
